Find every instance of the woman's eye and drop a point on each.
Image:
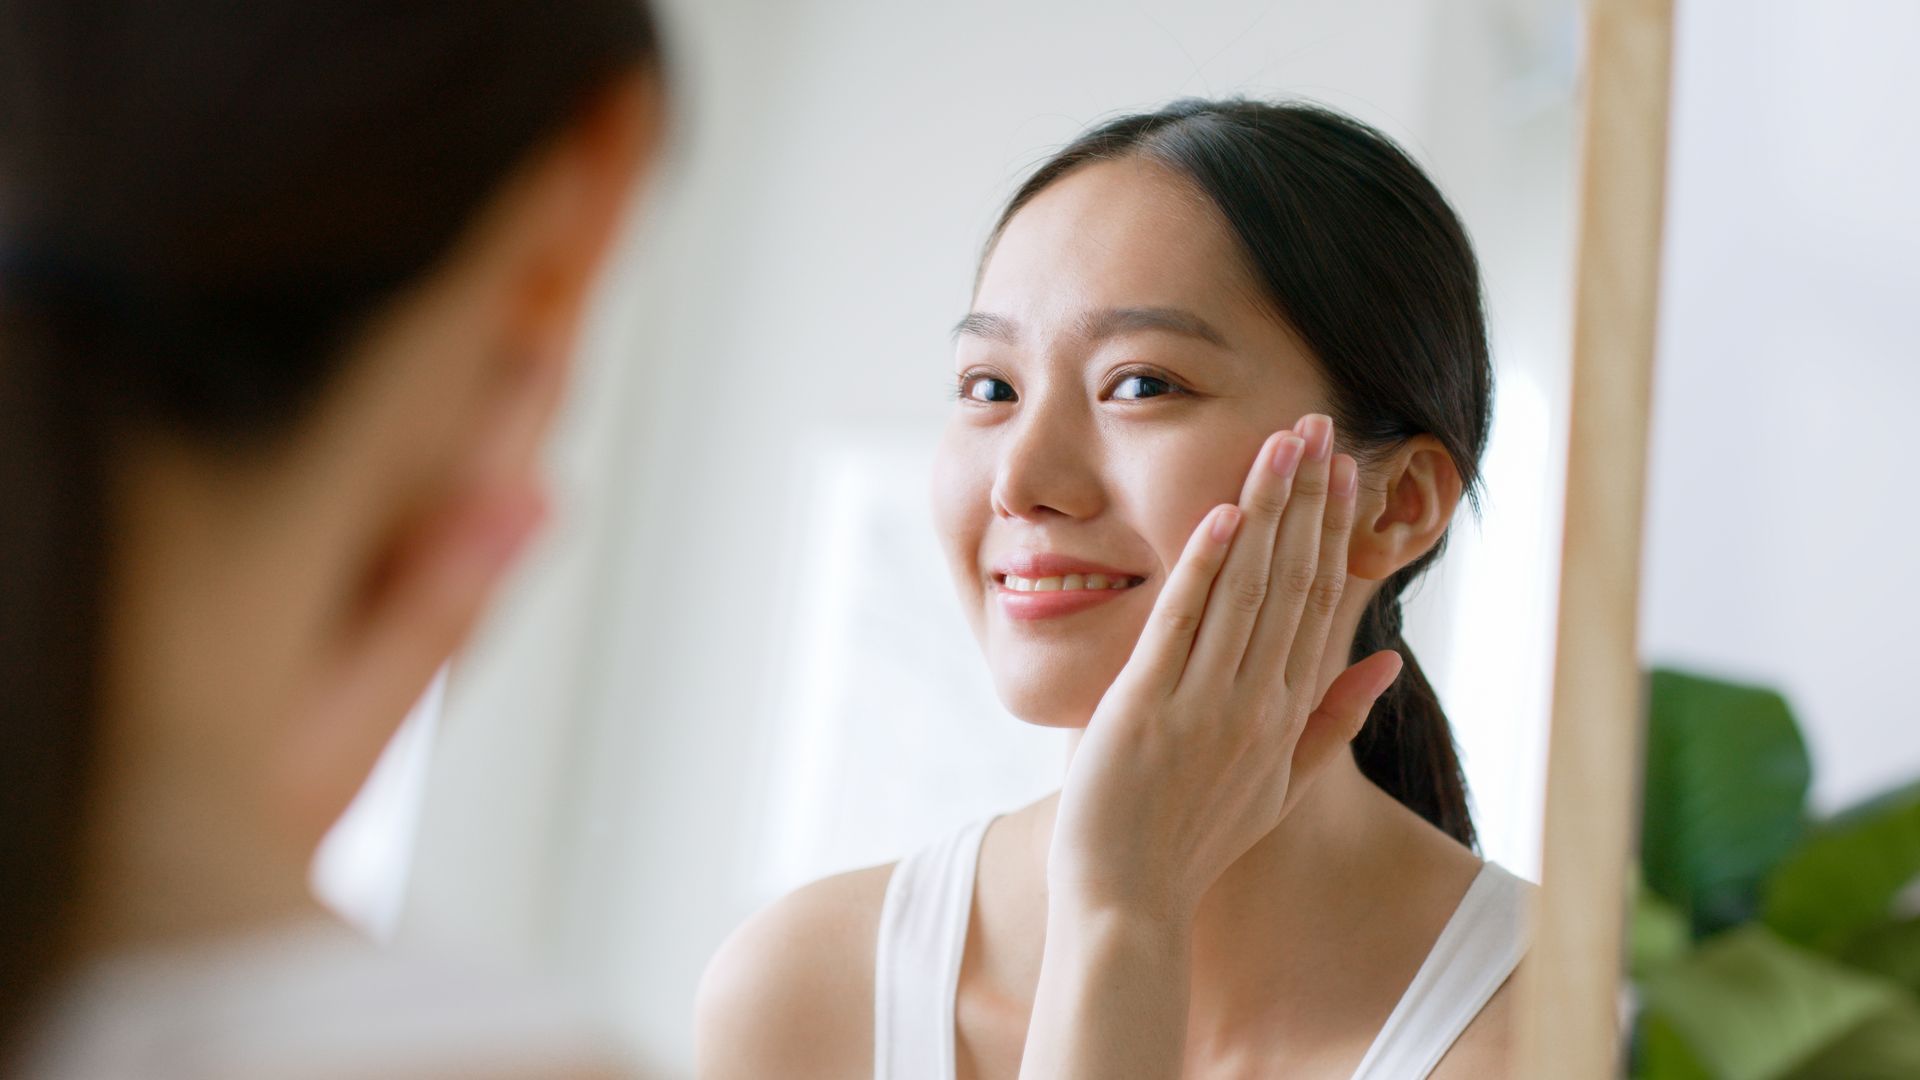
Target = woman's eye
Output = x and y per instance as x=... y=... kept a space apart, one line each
x=987 y=389
x=1136 y=387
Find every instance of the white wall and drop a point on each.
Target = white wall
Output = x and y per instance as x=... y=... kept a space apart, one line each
x=1783 y=514
x=683 y=707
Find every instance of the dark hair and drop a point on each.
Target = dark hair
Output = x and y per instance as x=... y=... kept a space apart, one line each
x=1360 y=255
x=199 y=204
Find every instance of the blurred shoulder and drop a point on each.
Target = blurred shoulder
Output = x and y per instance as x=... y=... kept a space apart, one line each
x=791 y=991
x=314 y=998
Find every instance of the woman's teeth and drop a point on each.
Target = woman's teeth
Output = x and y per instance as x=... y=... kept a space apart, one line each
x=1069 y=583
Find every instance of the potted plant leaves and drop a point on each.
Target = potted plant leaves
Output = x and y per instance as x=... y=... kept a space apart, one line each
x=1766 y=944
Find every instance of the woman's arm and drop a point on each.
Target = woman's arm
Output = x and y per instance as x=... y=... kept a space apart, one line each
x=1196 y=752
x=1112 y=1000
x=790 y=994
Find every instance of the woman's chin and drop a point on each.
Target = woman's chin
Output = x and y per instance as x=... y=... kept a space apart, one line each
x=1056 y=686
x=1049 y=705
x=1065 y=721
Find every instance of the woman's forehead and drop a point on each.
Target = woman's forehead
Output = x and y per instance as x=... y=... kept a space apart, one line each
x=1116 y=234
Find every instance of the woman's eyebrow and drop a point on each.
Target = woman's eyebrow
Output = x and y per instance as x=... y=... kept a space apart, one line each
x=1099 y=325
x=987 y=325
x=1115 y=321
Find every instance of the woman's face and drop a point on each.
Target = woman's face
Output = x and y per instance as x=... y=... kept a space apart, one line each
x=1116 y=376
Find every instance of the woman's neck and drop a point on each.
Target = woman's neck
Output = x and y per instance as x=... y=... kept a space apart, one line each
x=1338 y=904
x=178 y=853
x=211 y=612
x=1323 y=921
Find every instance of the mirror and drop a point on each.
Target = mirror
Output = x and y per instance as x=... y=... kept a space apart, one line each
x=737 y=664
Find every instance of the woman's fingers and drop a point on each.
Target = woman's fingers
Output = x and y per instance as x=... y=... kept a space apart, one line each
x=1246 y=578
x=1295 y=555
x=1303 y=658
x=1330 y=575
x=1165 y=645
x=1342 y=712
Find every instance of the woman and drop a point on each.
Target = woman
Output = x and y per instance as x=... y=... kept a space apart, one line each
x=287 y=293
x=1219 y=889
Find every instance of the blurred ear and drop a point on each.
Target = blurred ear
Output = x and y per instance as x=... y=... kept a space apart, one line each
x=427 y=603
x=1406 y=503
x=456 y=490
x=556 y=227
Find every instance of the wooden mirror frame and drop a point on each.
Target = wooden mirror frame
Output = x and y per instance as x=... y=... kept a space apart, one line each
x=1569 y=985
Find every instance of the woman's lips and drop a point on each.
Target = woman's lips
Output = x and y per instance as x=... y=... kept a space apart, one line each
x=1027 y=606
x=1047 y=586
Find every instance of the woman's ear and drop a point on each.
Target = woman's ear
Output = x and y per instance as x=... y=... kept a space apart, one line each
x=556 y=226
x=1406 y=503
x=445 y=466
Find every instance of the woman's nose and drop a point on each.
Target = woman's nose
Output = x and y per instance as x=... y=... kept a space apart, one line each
x=1048 y=467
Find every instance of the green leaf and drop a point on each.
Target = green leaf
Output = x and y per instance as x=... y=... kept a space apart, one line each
x=1886 y=1047
x=1891 y=951
x=1749 y=1006
x=1657 y=934
x=1661 y=1054
x=1726 y=783
x=1842 y=878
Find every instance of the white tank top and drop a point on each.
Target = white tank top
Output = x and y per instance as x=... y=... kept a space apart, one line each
x=923 y=934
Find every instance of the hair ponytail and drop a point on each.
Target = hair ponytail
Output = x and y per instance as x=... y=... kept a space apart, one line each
x=1359 y=254
x=1406 y=746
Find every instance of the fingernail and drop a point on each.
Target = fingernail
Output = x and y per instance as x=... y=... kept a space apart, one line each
x=1225 y=520
x=1286 y=456
x=1317 y=430
x=1346 y=476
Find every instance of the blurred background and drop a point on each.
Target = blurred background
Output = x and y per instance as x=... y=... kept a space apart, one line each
x=1777 y=930
x=1781 y=520
x=735 y=664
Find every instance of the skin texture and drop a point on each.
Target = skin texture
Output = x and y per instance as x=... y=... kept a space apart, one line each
x=1128 y=926
x=276 y=614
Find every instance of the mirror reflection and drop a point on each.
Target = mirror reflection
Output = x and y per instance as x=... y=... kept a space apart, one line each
x=822 y=662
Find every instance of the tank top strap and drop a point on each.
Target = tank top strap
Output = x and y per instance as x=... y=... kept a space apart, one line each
x=923 y=935
x=1479 y=947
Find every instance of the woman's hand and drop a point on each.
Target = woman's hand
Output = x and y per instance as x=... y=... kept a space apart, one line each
x=1197 y=750
x=1193 y=752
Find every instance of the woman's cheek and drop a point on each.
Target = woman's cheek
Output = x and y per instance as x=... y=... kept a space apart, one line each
x=1183 y=482
x=961 y=499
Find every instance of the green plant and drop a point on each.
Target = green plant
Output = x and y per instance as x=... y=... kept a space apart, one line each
x=1766 y=945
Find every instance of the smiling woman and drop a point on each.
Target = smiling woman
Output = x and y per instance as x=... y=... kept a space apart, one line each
x=1266 y=276
x=1173 y=297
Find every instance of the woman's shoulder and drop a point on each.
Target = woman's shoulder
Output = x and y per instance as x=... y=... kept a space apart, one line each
x=791 y=991
x=1484 y=1047
x=1484 y=1050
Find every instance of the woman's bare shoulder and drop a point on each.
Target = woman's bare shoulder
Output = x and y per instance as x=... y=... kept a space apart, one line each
x=790 y=993
x=1484 y=1051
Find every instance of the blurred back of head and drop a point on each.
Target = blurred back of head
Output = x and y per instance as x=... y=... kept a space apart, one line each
x=199 y=204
